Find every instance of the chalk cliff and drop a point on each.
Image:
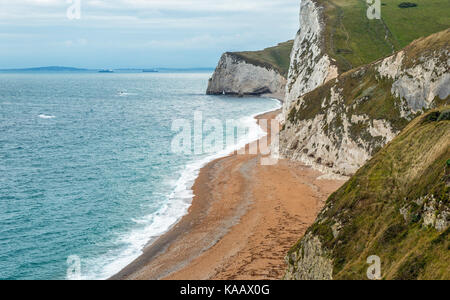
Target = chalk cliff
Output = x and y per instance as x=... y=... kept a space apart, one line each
x=252 y=73
x=396 y=207
x=311 y=66
x=370 y=100
x=343 y=123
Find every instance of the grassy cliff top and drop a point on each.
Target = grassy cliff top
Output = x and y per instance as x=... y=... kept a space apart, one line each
x=382 y=209
x=277 y=57
x=353 y=40
x=366 y=93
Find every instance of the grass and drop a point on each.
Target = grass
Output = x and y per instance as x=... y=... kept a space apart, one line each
x=277 y=57
x=353 y=40
x=413 y=165
x=365 y=93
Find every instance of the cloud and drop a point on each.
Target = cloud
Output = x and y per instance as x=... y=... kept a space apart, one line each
x=45 y=8
x=74 y=43
x=123 y=27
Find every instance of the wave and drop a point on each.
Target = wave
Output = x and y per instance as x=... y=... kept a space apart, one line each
x=42 y=116
x=125 y=93
x=179 y=201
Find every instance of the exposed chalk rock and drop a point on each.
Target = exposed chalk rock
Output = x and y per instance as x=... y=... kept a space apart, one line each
x=340 y=125
x=310 y=65
x=310 y=262
x=235 y=76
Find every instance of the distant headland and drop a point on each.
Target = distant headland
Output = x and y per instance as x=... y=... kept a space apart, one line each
x=51 y=69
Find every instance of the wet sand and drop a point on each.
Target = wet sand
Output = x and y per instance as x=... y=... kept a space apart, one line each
x=244 y=218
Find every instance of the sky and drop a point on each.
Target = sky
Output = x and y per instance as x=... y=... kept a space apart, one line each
x=139 y=33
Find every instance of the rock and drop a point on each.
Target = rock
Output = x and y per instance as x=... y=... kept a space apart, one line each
x=309 y=262
x=417 y=85
x=443 y=220
x=310 y=65
x=429 y=214
x=336 y=228
x=340 y=123
x=235 y=76
x=404 y=211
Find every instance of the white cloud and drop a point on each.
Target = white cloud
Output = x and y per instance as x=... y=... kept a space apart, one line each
x=126 y=26
x=44 y=7
x=78 y=42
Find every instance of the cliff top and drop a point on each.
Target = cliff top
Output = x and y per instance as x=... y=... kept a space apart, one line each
x=353 y=40
x=363 y=82
x=277 y=57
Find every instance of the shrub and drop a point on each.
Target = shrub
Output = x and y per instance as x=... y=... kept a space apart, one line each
x=444 y=116
x=441 y=238
x=407 y=5
x=437 y=116
x=392 y=233
x=433 y=116
x=411 y=269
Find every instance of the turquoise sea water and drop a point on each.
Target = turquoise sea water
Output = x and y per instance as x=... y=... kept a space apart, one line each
x=86 y=166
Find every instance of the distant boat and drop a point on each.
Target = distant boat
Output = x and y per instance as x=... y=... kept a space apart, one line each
x=150 y=71
x=106 y=71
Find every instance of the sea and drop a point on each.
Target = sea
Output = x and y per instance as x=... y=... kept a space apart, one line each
x=88 y=171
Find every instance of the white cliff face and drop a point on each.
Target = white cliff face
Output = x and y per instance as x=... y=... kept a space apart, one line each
x=331 y=147
x=420 y=84
x=234 y=76
x=310 y=65
x=337 y=130
x=338 y=138
x=311 y=263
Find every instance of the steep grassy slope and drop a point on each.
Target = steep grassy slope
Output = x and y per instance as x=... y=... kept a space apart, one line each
x=396 y=207
x=277 y=57
x=353 y=40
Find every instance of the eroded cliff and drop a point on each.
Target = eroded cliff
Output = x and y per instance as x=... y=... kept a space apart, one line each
x=361 y=99
x=343 y=123
x=396 y=208
x=252 y=73
x=311 y=66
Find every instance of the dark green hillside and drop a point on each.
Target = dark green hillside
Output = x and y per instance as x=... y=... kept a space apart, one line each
x=396 y=206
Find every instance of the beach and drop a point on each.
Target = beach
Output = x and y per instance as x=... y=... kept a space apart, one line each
x=244 y=218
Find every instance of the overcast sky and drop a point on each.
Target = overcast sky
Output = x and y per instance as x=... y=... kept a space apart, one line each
x=139 y=33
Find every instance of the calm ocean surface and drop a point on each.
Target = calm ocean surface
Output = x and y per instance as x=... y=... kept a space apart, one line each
x=86 y=166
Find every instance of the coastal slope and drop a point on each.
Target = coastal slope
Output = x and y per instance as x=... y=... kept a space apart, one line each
x=340 y=125
x=336 y=36
x=371 y=97
x=396 y=207
x=252 y=72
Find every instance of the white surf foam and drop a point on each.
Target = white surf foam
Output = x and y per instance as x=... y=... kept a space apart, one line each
x=179 y=201
x=42 y=116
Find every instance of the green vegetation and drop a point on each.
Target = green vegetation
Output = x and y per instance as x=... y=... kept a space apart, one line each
x=413 y=166
x=386 y=207
x=277 y=57
x=364 y=92
x=353 y=40
x=407 y=5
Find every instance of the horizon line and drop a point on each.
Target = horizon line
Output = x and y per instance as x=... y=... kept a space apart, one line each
x=106 y=68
